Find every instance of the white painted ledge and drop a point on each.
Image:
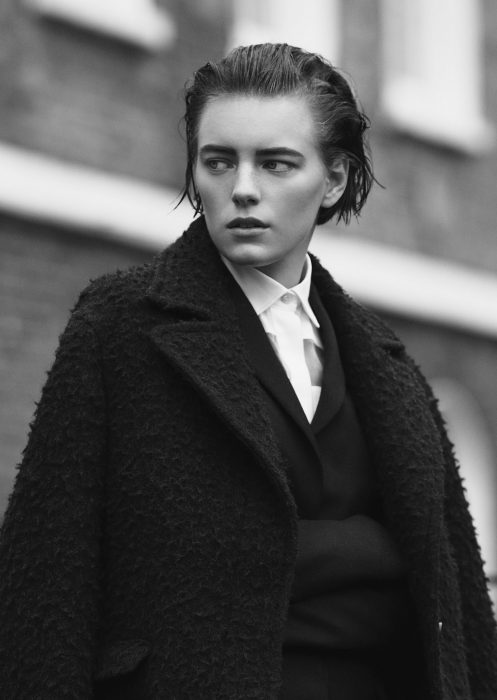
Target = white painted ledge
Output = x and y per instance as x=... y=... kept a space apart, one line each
x=42 y=188
x=138 y=22
x=412 y=109
x=393 y=280
x=411 y=284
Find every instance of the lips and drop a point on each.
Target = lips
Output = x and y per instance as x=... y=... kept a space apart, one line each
x=246 y=222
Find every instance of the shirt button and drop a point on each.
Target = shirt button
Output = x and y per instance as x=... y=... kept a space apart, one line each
x=287 y=298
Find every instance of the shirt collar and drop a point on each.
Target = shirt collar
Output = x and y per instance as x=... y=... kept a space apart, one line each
x=263 y=291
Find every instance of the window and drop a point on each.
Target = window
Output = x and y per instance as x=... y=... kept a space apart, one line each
x=138 y=22
x=432 y=71
x=313 y=25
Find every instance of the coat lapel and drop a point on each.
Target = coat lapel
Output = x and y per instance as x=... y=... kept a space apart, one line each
x=394 y=412
x=199 y=334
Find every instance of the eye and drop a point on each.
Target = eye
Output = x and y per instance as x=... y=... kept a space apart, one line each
x=217 y=164
x=278 y=166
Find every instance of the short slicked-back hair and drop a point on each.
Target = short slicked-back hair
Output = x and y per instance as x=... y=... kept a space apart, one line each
x=272 y=70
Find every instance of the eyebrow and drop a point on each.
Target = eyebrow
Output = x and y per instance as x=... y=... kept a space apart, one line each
x=267 y=152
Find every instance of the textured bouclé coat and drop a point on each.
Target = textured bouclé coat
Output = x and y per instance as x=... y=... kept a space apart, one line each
x=149 y=544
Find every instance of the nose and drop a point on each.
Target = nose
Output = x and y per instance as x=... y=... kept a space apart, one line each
x=245 y=187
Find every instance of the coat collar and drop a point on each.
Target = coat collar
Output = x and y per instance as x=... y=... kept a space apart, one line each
x=189 y=275
x=206 y=297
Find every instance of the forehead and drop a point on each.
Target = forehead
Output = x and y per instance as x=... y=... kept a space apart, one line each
x=246 y=121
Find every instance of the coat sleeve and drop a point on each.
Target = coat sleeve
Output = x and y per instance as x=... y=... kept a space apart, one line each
x=49 y=543
x=479 y=624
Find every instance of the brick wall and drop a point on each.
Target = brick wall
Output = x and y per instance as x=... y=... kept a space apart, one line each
x=95 y=100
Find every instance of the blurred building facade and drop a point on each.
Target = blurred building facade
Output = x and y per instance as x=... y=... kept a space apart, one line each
x=91 y=99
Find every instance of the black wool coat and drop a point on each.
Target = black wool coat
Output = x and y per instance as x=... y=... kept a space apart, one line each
x=149 y=544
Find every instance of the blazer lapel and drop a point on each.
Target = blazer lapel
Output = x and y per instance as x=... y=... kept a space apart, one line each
x=199 y=335
x=272 y=375
x=333 y=382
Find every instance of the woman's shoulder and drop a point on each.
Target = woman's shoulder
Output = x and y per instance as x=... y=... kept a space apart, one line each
x=115 y=287
x=351 y=313
x=117 y=294
x=123 y=290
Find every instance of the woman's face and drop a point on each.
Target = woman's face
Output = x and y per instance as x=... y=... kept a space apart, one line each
x=261 y=180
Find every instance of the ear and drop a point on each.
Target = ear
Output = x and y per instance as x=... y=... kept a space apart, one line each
x=336 y=182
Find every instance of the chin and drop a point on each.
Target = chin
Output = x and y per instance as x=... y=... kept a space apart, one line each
x=244 y=255
x=246 y=260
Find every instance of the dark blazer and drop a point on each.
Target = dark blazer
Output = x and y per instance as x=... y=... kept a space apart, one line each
x=149 y=544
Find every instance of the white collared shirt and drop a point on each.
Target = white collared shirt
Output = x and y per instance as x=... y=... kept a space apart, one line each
x=291 y=326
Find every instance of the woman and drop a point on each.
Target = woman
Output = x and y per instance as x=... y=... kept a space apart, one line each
x=237 y=485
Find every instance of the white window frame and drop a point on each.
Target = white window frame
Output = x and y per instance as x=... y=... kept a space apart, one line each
x=313 y=25
x=432 y=67
x=138 y=22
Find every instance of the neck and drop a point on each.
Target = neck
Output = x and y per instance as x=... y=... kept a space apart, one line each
x=288 y=277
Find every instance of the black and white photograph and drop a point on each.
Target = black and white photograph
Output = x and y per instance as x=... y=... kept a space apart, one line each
x=248 y=350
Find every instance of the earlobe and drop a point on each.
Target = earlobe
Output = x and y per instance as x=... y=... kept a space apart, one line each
x=337 y=178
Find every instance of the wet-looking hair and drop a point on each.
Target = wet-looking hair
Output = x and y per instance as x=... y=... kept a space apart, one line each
x=271 y=70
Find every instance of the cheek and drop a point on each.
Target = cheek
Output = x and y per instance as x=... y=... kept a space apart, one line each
x=205 y=192
x=305 y=199
x=211 y=191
